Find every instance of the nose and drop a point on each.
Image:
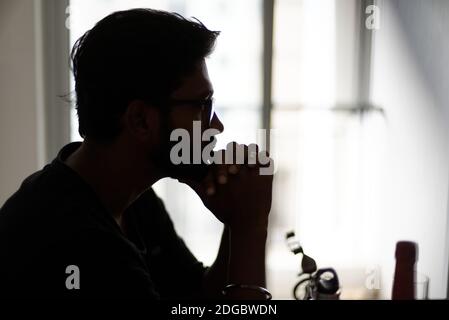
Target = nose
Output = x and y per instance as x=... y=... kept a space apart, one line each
x=216 y=123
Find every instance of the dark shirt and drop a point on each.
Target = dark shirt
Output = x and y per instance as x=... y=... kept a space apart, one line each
x=55 y=220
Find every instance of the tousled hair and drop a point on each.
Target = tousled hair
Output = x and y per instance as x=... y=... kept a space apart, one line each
x=133 y=54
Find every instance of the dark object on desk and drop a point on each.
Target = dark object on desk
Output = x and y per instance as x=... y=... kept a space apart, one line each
x=404 y=275
x=326 y=281
x=321 y=284
x=308 y=265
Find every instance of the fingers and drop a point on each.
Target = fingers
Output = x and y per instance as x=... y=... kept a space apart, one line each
x=218 y=175
x=233 y=169
x=230 y=153
x=253 y=151
x=222 y=174
x=240 y=154
x=208 y=184
x=230 y=162
x=234 y=157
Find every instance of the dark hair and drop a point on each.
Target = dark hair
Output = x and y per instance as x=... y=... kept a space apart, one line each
x=133 y=54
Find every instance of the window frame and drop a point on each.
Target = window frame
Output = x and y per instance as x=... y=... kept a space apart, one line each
x=55 y=59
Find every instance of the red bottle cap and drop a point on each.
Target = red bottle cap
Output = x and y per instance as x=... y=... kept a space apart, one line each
x=406 y=250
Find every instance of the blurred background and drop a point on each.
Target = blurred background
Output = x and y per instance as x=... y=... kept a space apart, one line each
x=357 y=92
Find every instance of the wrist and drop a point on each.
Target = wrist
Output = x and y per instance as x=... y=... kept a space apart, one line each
x=247 y=257
x=249 y=231
x=254 y=227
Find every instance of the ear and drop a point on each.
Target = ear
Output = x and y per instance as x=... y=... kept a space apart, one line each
x=141 y=120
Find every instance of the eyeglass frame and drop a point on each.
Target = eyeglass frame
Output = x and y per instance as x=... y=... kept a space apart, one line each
x=204 y=104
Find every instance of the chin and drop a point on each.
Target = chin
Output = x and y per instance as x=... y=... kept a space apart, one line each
x=195 y=172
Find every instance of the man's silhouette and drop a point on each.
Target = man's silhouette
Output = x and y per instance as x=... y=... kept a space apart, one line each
x=139 y=75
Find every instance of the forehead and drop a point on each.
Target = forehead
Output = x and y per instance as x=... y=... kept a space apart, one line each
x=195 y=86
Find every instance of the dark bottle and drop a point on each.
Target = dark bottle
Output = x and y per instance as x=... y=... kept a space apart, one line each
x=404 y=275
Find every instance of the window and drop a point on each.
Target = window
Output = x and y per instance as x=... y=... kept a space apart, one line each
x=322 y=183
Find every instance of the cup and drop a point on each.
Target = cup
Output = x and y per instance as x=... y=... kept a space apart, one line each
x=421 y=286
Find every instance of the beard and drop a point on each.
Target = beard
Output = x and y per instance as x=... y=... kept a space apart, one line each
x=182 y=171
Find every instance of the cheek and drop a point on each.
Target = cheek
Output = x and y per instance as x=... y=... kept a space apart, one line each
x=184 y=119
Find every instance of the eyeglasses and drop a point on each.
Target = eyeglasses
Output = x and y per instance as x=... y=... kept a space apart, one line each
x=206 y=106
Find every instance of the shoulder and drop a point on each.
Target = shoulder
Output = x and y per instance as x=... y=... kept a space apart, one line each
x=49 y=206
x=43 y=190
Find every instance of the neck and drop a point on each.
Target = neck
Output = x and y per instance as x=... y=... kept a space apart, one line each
x=118 y=174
